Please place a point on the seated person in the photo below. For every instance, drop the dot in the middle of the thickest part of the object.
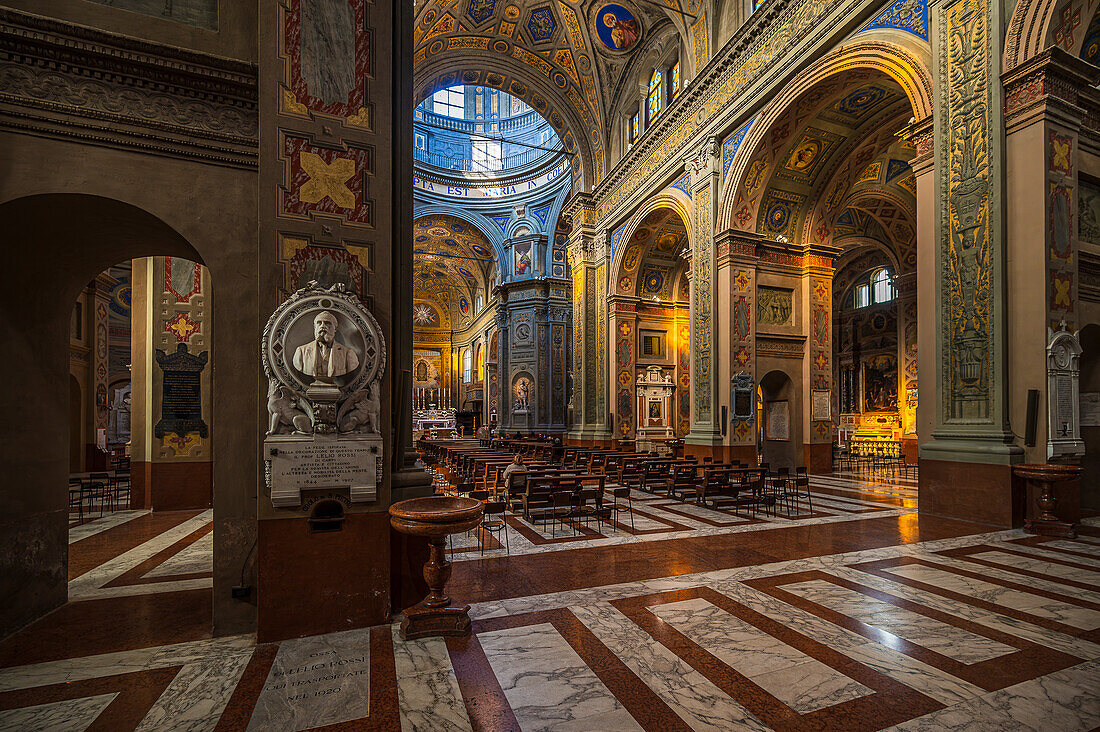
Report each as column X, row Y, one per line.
column 517, row 467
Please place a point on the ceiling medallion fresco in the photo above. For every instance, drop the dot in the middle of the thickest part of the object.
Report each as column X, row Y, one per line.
column 616, row 27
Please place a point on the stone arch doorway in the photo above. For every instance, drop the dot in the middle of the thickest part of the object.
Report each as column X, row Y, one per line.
column 780, row 420
column 66, row 240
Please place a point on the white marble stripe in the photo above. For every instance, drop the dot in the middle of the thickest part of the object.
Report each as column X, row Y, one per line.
column 1057, row 555
column 992, row 620
column 70, row 715
column 1049, row 584
column 1053, row 569
column 196, row 697
column 150, row 588
column 801, row 682
column 937, row 636
column 689, row 694
column 198, row 557
column 1065, row 700
column 111, row 520
column 104, row 573
column 931, row 681
column 427, row 689
column 1043, row 607
column 123, row 662
column 548, row 685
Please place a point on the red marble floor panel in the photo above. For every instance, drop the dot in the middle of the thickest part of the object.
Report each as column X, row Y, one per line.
column 881, row 568
column 486, row 704
column 497, row 578
column 890, row 703
column 112, row 624
column 1029, row 661
column 87, row 554
column 137, row 692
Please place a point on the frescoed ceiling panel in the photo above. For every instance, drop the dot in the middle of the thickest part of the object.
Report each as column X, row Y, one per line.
column 562, row 58
column 452, row 262
column 653, row 255
column 811, row 158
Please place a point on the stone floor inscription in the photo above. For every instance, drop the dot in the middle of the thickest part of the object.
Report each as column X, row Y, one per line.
column 316, row 681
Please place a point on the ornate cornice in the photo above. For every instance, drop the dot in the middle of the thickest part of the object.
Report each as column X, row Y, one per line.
column 65, row 80
column 1055, row 81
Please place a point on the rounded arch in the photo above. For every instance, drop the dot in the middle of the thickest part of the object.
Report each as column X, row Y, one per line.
column 109, row 231
column 863, row 251
column 579, row 135
column 670, row 198
column 491, row 231
column 1030, row 30
column 898, row 63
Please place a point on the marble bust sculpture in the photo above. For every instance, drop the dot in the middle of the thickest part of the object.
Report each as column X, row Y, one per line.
column 323, row 357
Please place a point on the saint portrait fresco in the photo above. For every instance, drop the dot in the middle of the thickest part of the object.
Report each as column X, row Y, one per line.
column 617, row 27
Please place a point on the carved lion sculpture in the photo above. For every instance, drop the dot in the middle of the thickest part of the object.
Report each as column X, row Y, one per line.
column 360, row 412
column 283, row 410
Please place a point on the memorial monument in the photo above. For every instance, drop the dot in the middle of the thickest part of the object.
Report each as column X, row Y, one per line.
column 324, row 356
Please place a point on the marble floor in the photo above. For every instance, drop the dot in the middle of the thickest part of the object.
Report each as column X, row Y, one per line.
column 858, row 619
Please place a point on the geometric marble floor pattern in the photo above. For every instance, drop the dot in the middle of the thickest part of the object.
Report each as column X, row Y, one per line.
column 647, row 517
column 940, row 625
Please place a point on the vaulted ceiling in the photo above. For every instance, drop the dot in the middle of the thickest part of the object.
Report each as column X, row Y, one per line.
column 452, row 262
column 653, row 258
column 558, row 56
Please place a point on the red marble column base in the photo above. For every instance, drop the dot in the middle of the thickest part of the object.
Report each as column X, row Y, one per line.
column 180, row 486
column 818, row 458
column 979, row 492
column 424, row 622
column 1044, row 527
column 910, row 450
column 310, row 584
column 141, row 481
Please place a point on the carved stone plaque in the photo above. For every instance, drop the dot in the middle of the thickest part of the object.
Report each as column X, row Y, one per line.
column 299, row 464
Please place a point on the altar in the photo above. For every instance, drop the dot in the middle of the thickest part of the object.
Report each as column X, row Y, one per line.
column 434, row 419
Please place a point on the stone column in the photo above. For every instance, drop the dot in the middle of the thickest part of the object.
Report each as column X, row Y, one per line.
column 503, row 348
column 171, row 459
column 588, row 262
column 623, row 324
column 966, row 468
column 737, row 336
column 334, row 182
column 927, row 307
column 704, row 166
column 98, row 367
column 1045, row 100
column 906, row 287
column 817, row 363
